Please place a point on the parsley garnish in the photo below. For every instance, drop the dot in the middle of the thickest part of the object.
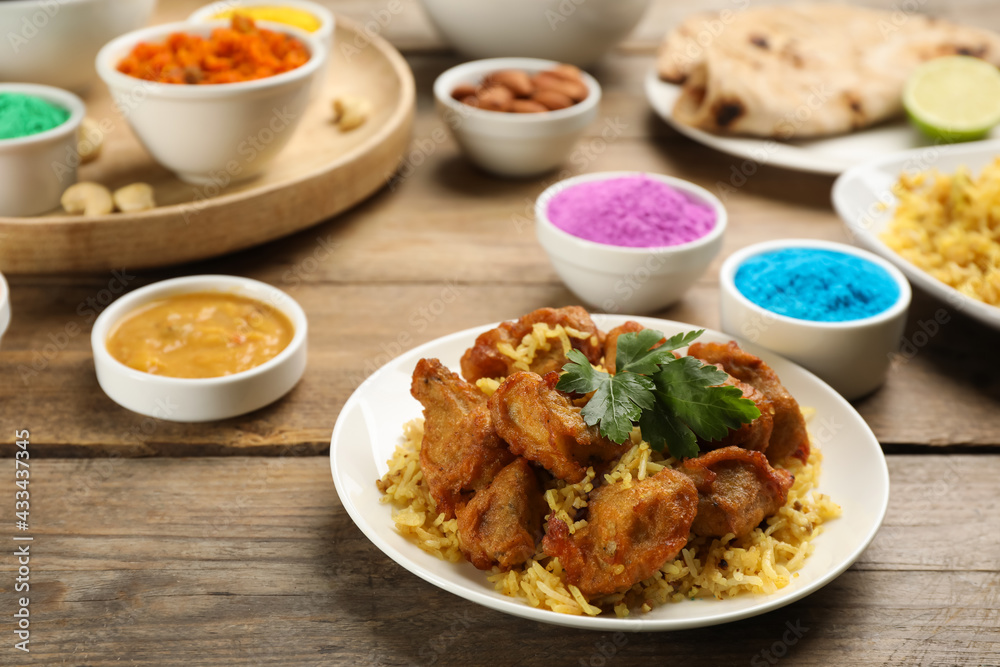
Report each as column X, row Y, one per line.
column 674, row 401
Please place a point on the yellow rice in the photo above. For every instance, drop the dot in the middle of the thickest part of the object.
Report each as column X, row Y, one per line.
column 761, row 562
column 949, row 226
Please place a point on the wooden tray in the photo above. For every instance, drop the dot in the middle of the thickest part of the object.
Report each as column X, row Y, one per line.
column 321, row 172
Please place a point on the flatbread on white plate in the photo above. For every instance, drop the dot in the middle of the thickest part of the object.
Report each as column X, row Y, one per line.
column 804, row 70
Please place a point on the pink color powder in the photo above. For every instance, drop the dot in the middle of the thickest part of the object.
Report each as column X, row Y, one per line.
column 631, row 211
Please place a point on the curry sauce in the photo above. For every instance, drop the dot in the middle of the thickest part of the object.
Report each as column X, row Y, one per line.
column 200, row 335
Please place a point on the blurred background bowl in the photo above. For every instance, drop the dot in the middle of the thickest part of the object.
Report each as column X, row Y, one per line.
column 578, row 32
column 216, row 133
column 36, row 169
column 55, row 42
column 852, row 356
column 626, row 279
column 513, row 144
column 325, row 17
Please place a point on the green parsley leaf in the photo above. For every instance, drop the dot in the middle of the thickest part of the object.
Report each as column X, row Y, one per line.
column 580, row 377
column 674, row 401
column 660, row 428
column 687, row 386
column 634, row 353
column 618, row 403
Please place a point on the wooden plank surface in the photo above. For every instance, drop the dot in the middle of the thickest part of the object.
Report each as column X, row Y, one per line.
column 370, row 279
column 250, row 560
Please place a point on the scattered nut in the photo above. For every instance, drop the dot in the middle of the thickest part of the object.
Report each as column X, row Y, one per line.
column 517, row 81
column 88, row 198
column 89, row 140
column 350, row 112
column 134, row 198
column 516, row 91
column 552, row 100
column 527, row 106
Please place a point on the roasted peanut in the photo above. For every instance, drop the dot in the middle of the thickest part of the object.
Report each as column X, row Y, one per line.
column 517, row 81
column 527, row 106
column 575, row 90
column 471, row 100
column 134, row 198
column 87, row 198
column 552, row 99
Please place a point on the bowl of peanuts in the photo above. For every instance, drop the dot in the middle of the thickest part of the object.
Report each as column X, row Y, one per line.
column 517, row 117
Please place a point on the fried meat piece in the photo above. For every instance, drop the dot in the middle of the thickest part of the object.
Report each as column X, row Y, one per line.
column 630, row 533
column 539, row 423
column 484, row 359
column 737, row 489
column 461, row 451
column 789, row 435
column 500, row 523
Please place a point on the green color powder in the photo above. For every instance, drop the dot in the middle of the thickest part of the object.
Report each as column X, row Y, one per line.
column 24, row 115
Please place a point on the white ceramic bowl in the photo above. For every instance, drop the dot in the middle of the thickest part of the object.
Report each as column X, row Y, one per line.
column 54, row 43
column 216, row 134
column 200, row 399
column 570, row 31
column 4, row 306
column 853, row 357
column 34, row 170
column 326, row 19
column 513, row 144
column 623, row 279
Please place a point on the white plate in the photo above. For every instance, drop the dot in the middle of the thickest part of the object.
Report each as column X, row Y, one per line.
column 828, row 155
column 854, row 474
column 860, row 193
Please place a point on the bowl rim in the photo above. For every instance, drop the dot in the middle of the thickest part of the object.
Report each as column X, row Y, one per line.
column 327, row 19
column 687, row 187
column 123, row 44
column 442, row 93
column 221, row 283
column 4, row 305
column 58, row 96
column 727, row 282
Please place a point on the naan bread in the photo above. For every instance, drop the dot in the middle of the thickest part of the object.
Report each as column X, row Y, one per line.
column 804, row 70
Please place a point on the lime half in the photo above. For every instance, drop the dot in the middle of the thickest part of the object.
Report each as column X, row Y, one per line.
column 955, row 98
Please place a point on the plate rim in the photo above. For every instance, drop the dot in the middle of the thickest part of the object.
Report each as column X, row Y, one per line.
column 516, row 606
column 983, row 312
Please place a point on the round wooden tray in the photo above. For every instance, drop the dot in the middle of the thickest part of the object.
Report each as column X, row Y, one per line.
column 321, row 172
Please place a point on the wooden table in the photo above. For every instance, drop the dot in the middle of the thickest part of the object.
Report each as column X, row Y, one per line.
column 225, row 543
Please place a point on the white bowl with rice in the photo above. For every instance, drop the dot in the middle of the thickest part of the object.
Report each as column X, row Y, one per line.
column 865, row 199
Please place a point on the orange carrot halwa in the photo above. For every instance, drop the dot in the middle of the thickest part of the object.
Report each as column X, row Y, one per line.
column 240, row 52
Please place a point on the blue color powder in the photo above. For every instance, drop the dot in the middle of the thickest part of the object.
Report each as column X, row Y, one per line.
column 817, row 285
